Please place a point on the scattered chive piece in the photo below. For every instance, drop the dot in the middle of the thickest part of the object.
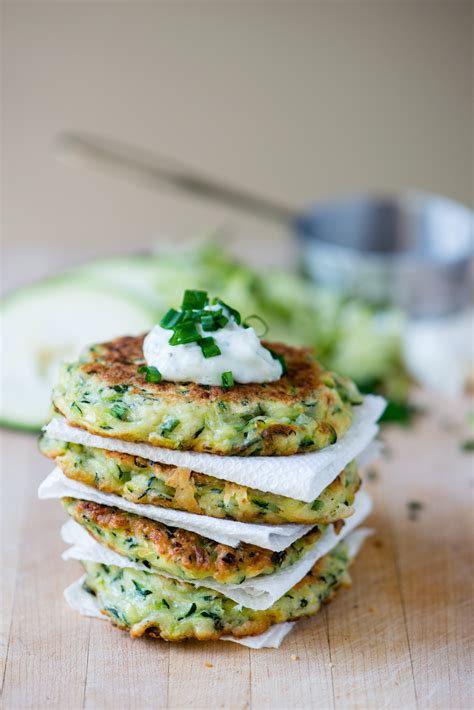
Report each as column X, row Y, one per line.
column 246, row 324
column 185, row 333
column 235, row 314
column 280, row 358
column 193, row 300
column 467, row 445
column 227, row 379
column 414, row 507
column 152, row 374
column 209, row 347
column 171, row 319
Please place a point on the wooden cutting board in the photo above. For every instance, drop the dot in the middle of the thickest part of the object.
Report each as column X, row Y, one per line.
column 399, row 638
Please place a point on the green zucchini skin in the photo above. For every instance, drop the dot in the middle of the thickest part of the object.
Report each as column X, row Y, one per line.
column 66, row 309
column 149, row 603
column 139, row 480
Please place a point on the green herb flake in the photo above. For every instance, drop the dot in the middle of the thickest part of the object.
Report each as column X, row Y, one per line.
column 209, row 347
column 171, row 319
column 75, row 406
column 113, row 612
column 208, row 322
column 152, row 374
column 401, row 413
column 235, row 314
column 191, row 611
column 248, row 324
column 414, row 508
column 467, row 446
column 169, row 425
column 194, row 300
column 221, row 319
column 119, row 410
column 210, row 615
column 139, row 589
column 227, row 380
column 185, row 333
column 121, row 389
column 332, row 434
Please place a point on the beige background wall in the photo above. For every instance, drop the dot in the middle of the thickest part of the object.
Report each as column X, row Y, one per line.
column 301, row 100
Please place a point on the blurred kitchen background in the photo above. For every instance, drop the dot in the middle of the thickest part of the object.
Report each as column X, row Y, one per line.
column 301, row 102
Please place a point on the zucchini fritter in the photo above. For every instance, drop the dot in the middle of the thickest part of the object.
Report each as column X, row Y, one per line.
column 172, row 610
column 305, row 410
column 146, row 482
column 179, row 552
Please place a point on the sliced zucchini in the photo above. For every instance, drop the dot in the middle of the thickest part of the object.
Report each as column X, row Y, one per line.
column 52, row 321
column 139, row 274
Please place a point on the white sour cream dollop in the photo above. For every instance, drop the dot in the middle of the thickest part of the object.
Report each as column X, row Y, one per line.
column 241, row 353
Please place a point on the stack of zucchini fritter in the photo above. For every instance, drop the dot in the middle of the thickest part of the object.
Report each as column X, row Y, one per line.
column 171, row 580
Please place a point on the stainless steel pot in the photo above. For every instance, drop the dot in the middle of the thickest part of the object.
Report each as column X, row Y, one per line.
column 411, row 249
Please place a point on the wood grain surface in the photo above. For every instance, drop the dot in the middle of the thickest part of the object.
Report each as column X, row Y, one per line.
column 401, row 637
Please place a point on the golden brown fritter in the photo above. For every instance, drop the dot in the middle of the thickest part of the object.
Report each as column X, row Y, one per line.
column 306, row 409
column 179, row 552
column 149, row 483
column 165, row 608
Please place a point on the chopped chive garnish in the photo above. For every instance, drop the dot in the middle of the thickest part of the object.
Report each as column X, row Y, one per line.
column 246, row 324
column 193, row 319
column 187, row 316
column 185, row 333
column 152, row 374
column 221, row 319
column 171, row 319
column 280, row 358
column 467, row 445
column 235, row 314
column 208, row 322
column 209, row 347
column 227, row 379
column 213, row 320
column 193, row 300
